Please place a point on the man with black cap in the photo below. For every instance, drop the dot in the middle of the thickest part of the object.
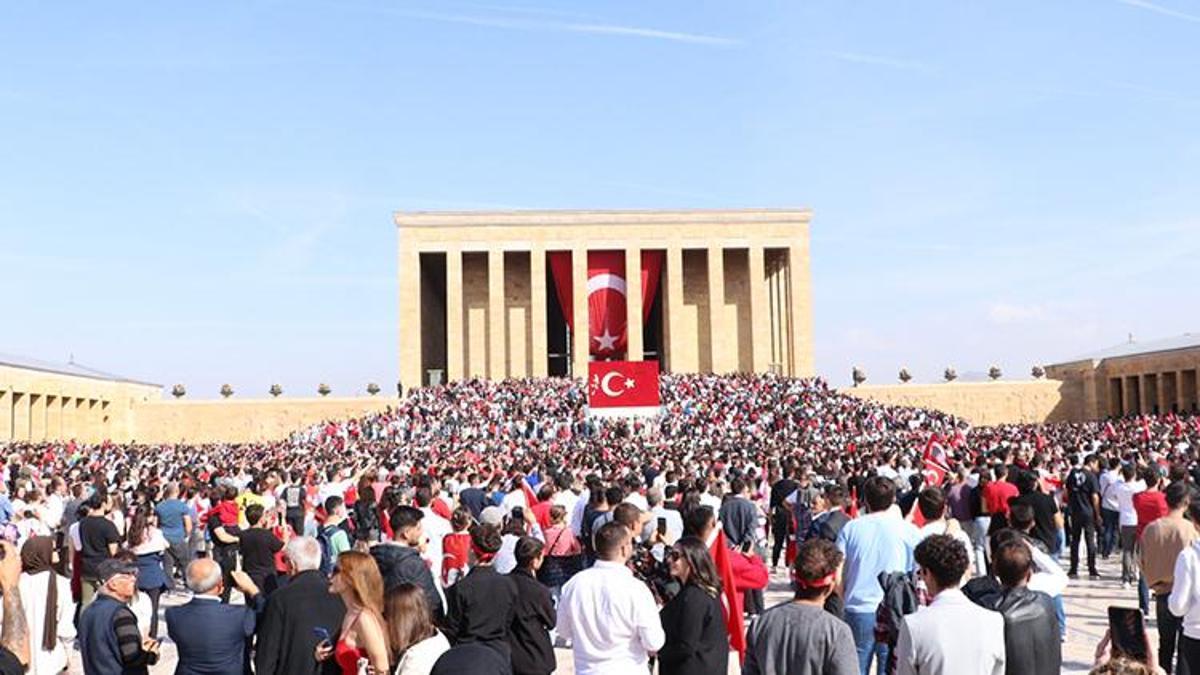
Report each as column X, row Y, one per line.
column 109, row 639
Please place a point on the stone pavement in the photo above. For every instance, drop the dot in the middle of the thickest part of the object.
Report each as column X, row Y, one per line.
column 1086, row 603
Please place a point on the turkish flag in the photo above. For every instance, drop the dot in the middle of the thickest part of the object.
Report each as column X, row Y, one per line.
column 607, row 290
column 936, row 465
column 623, row 384
column 731, row 600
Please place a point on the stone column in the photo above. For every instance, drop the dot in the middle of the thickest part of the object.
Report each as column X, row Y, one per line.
column 759, row 312
column 20, row 417
column 37, row 417
column 1091, row 404
column 633, row 303
column 674, row 297
column 409, row 266
column 70, row 426
column 1153, row 398
column 537, row 307
column 800, row 311
column 1130, row 404
column 53, row 417
column 718, row 333
column 497, row 322
column 6, row 415
column 581, row 335
column 455, row 338
column 1179, row 391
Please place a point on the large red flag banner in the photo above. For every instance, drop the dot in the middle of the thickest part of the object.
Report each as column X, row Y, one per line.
column 623, row 384
column 607, row 290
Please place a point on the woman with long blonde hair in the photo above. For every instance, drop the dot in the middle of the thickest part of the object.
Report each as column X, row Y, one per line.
column 357, row 580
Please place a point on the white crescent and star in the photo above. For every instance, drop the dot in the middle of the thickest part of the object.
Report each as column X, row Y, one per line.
column 605, row 280
column 608, row 342
column 604, row 384
column 601, row 282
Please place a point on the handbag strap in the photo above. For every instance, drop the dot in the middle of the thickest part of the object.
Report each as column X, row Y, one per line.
column 552, row 546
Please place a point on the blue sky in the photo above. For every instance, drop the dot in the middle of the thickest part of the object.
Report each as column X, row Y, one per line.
column 202, row 192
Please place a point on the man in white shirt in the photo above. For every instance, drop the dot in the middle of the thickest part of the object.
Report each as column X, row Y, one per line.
column 1129, row 486
column 1110, row 509
column 932, row 505
column 608, row 614
column 952, row 636
column 565, row 496
column 657, row 511
column 435, row 527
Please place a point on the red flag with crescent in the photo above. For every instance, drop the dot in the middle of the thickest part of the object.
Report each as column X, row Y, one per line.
column 936, row 464
column 623, row 384
column 607, row 292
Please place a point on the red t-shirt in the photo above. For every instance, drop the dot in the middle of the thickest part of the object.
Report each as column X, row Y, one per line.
column 441, row 508
column 456, row 549
column 226, row 511
column 1150, row 506
column 996, row 495
column 541, row 511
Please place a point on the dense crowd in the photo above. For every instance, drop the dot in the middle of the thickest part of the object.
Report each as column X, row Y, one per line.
column 475, row 526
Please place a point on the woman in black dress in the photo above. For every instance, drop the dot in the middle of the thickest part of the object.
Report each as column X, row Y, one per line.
column 697, row 642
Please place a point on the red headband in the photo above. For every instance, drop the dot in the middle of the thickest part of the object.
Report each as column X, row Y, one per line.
column 482, row 555
column 824, row 581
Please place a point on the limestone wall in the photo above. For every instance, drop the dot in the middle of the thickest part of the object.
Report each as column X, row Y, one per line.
column 986, row 403
column 37, row 405
column 243, row 420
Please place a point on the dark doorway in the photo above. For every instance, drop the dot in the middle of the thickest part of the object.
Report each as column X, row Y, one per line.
column 558, row 346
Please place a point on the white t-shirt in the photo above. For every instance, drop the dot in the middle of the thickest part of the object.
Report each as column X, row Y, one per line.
column 1108, row 489
column 1125, row 492
column 943, row 527
column 435, row 527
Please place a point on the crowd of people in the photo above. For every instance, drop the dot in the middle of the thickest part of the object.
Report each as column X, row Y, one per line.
column 477, row 526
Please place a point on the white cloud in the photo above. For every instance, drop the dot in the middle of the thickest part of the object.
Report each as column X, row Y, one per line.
column 560, row 26
column 876, row 60
column 1159, row 9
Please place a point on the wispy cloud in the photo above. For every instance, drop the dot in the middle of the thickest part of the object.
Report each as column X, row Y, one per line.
column 562, row 26
column 1159, row 9
column 876, row 60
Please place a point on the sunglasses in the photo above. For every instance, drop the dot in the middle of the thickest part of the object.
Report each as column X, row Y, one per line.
column 674, row 555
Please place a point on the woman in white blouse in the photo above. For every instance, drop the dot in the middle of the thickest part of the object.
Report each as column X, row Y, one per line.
column 49, row 609
column 414, row 641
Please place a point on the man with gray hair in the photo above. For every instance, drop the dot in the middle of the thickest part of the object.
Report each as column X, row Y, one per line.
column 212, row 637
column 673, row 524
column 286, row 636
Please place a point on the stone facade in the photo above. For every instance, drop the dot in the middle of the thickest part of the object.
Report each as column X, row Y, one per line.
column 42, row 403
column 243, row 420
column 475, row 300
column 984, row 403
column 1154, row 377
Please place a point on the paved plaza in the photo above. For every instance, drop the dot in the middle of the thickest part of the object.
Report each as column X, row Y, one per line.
column 1086, row 602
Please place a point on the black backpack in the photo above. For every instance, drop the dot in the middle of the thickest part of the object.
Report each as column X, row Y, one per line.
column 366, row 522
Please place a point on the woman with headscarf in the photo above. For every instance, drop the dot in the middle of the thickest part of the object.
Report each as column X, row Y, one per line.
column 49, row 609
